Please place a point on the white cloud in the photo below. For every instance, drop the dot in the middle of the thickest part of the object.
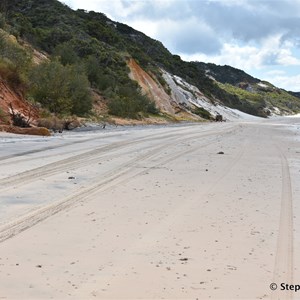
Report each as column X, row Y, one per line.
column 275, row 73
column 150, row 28
column 280, row 51
column 256, row 56
column 115, row 9
column 189, row 37
column 289, row 83
column 243, row 57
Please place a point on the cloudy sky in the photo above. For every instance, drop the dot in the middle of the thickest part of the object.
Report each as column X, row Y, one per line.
column 261, row 37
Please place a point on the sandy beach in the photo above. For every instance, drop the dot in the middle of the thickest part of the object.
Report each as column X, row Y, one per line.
column 163, row 212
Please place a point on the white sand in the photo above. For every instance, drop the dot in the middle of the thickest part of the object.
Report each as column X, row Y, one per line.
column 152, row 213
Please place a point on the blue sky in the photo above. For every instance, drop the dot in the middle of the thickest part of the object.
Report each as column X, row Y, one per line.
column 261, row 37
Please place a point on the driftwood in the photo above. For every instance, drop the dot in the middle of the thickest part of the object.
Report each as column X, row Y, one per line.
column 18, row 119
column 31, row 130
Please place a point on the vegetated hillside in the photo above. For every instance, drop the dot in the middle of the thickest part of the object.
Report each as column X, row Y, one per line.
column 262, row 96
column 90, row 54
column 226, row 74
column 295, row 94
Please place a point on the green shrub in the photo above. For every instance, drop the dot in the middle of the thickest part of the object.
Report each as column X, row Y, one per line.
column 13, row 53
column 14, row 62
column 66, row 54
column 62, row 89
column 202, row 112
column 2, row 21
column 130, row 103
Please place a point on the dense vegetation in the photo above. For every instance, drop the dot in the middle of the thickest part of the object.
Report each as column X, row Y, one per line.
column 90, row 44
column 258, row 98
column 14, row 61
column 61, row 89
column 226, row 74
column 203, row 113
column 81, row 58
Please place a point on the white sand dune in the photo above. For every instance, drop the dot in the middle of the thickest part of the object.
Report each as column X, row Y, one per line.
column 152, row 213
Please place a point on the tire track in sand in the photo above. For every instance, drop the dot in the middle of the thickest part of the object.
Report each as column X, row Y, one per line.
column 283, row 270
column 114, row 177
column 89, row 158
column 77, row 161
column 67, row 144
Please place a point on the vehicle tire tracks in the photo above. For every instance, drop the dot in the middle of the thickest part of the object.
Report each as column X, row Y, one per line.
column 113, row 178
column 283, row 270
column 66, row 144
column 76, row 161
column 84, row 159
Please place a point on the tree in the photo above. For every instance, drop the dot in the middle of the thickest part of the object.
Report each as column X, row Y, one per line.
column 79, row 89
column 66, row 54
column 130, row 103
column 62, row 89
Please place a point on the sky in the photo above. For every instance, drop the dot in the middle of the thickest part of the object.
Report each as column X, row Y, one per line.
column 261, row 37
